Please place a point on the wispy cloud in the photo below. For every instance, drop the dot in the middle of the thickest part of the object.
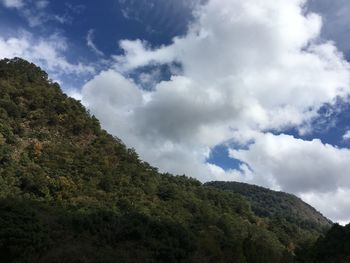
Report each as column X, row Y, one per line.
column 35, row 12
column 13, row 3
column 90, row 43
column 41, row 4
column 47, row 52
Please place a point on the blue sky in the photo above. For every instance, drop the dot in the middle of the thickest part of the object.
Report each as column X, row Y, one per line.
column 219, row 89
column 156, row 22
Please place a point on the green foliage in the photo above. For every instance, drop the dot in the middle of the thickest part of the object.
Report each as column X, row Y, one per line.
column 70, row 192
column 277, row 205
column 296, row 224
column 334, row 247
column 23, row 236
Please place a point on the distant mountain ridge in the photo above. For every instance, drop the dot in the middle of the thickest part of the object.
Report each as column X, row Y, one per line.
column 276, row 204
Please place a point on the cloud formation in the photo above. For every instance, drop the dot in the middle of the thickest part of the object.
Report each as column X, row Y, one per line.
column 13, row 3
column 296, row 165
column 335, row 205
column 247, row 67
column 34, row 11
column 335, row 14
column 90, row 43
column 46, row 52
column 346, row 136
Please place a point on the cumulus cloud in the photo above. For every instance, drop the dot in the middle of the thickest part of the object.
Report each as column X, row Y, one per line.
column 254, row 54
column 46, row 52
column 247, row 67
column 295, row 165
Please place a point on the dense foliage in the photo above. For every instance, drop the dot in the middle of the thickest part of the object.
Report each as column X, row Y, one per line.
column 276, row 205
column 334, row 247
column 70, row 192
column 288, row 217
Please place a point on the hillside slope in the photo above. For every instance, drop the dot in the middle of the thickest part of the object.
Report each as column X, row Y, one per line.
column 70, row 192
column 271, row 204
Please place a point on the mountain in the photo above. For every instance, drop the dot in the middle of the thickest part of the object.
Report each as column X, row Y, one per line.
column 71, row 192
column 276, row 205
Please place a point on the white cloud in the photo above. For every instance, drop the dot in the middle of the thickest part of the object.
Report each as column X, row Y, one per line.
column 35, row 12
column 295, row 165
column 126, row 96
column 335, row 205
column 247, row 66
column 137, row 54
column 254, row 54
column 12, row 3
column 346, row 136
column 46, row 52
column 90, row 43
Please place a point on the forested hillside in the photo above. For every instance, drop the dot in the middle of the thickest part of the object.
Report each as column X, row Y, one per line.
column 276, row 205
column 70, row 192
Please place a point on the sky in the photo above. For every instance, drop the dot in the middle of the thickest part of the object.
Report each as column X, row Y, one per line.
column 251, row 91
